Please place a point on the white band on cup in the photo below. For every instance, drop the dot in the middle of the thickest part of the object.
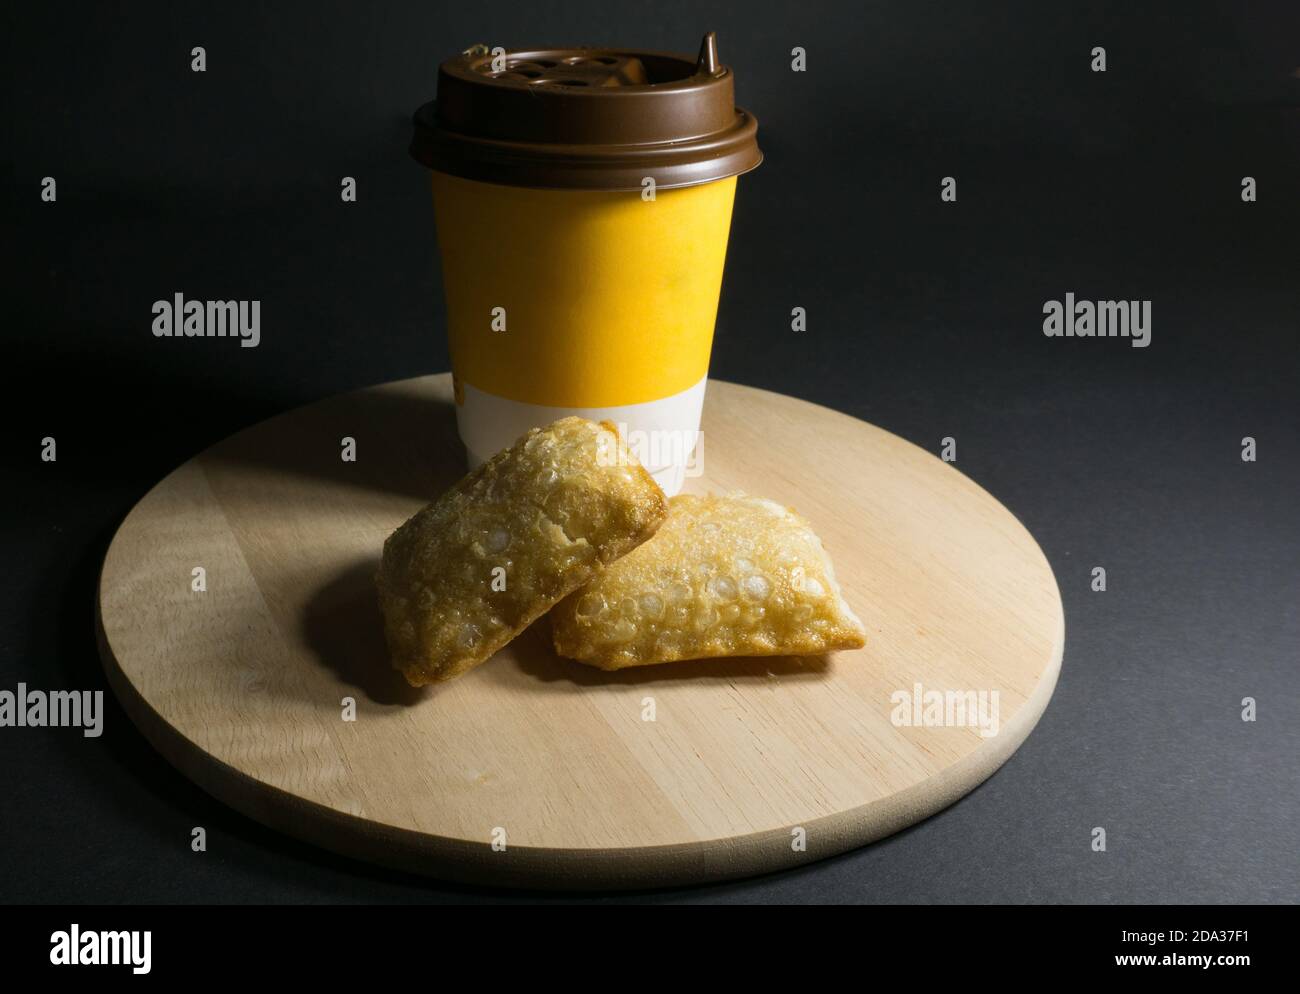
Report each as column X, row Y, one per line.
column 663, row 434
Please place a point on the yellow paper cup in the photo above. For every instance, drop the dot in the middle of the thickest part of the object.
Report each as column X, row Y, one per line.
column 583, row 201
column 610, row 316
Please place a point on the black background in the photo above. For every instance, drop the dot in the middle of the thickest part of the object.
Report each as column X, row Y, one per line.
column 924, row 318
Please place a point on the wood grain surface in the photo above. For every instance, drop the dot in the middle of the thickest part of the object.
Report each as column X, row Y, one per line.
column 243, row 686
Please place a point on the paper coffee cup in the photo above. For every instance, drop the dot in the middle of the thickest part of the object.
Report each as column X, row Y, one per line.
column 583, row 202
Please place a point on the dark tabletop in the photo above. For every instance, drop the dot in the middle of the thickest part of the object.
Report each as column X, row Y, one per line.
column 923, row 317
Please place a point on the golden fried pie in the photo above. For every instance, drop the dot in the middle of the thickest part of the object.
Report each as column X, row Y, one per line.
column 725, row 576
column 472, row 570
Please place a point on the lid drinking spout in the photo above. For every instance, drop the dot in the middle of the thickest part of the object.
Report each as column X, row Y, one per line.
column 708, row 62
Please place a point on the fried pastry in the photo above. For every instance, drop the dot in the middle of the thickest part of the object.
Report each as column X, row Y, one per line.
column 471, row 571
column 725, row 576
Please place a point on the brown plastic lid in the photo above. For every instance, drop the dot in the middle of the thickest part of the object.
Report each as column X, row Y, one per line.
column 589, row 119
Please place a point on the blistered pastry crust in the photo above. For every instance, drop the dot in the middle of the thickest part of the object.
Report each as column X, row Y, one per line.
column 551, row 511
column 724, row 576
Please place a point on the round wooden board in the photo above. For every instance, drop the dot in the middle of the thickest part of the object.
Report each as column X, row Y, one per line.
column 242, row 686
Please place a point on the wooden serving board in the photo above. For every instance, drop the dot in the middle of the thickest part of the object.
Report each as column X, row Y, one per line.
column 749, row 765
